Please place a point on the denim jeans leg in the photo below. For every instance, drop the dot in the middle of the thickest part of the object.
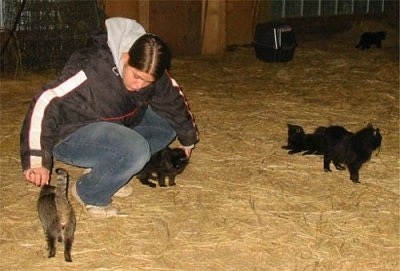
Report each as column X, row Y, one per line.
column 114, row 152
column 156, row 130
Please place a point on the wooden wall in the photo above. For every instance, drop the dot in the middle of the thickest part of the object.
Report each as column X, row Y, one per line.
column 178, row 22
column 207, row 26
column 241, row 17
column 123, row 8
column 191, row 26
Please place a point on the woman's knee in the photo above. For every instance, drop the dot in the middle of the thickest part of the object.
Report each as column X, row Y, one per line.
column 113, row 142
column 132, row 147
column 137, row 153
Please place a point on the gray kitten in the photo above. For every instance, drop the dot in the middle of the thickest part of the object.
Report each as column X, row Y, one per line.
column 57, row 215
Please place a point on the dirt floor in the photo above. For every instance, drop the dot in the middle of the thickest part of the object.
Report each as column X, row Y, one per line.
column 243, row 203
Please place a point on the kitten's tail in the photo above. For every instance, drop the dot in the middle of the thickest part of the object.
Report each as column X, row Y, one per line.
column 62, row 181
column 64, row 208
column 62, row 173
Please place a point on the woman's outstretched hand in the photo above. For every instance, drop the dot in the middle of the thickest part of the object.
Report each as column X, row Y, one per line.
column 38, row 176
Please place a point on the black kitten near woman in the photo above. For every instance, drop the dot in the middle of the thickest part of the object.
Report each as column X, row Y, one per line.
column 164, row 164
column 57, row 215
column 371, row 38
column 344, row 148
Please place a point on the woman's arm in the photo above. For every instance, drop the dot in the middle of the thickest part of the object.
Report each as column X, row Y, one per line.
column 170, row 102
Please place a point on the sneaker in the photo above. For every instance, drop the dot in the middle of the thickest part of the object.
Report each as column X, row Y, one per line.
column 97, row 211
column 102, row 211
column 124, row 191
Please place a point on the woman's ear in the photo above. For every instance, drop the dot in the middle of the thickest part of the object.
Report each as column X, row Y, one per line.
column 125, row 58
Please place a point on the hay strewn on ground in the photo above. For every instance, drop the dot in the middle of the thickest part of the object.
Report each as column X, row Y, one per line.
column 243, row 203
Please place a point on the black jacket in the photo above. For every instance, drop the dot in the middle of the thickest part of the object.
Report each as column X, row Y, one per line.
column 89, row 90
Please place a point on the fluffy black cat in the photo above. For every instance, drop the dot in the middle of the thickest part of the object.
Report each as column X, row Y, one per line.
column 164, row 164
column 299, row 141
column 344, row 148
column 57, row 215
column 371, row 38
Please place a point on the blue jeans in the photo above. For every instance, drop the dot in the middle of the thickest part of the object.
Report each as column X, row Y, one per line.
column 114, row 152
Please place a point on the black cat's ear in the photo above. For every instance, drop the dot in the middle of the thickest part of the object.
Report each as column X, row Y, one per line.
column 370, row 125
column 299, row 129
column 320, row 130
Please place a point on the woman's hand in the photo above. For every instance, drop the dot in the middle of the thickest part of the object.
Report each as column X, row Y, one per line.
column 188, row 150
column 38, row 176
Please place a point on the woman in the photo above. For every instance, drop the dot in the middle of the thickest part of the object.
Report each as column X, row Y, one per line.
column 112, row 107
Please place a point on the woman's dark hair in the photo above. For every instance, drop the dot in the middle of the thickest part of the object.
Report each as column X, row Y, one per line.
column 151, row 55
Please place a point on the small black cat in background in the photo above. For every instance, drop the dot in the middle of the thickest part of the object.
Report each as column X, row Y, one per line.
column 164, row 164
column 56, row 215
column 345, row 148
column 371, row 38
column 299, row 141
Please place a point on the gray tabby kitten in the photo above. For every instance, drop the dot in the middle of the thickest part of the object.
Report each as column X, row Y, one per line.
column 57, row 215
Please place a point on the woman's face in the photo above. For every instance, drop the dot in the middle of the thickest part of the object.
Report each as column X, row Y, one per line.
column 133, row 78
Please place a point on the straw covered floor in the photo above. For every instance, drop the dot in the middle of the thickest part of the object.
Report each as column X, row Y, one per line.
column 243, row 203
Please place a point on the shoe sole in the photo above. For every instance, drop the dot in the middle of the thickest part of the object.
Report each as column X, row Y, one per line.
column 124, row 191
column 86, row 207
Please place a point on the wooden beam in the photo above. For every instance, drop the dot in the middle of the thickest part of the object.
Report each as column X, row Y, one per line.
column 213, row 26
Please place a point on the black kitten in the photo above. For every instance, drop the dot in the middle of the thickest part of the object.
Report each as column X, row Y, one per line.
column 166, row 163
column 345, row 148
column 299, row 141
column 371, row 38
column 57, row 216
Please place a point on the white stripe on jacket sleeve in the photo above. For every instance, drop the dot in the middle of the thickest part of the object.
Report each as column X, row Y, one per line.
column 44, row 100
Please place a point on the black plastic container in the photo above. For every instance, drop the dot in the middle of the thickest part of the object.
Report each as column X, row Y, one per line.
column 274, row 42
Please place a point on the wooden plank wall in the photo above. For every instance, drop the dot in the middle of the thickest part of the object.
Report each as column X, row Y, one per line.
column 207, row 26
column 189, row 26
column 241, row 17
column 126, row 8
column 178, row 22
